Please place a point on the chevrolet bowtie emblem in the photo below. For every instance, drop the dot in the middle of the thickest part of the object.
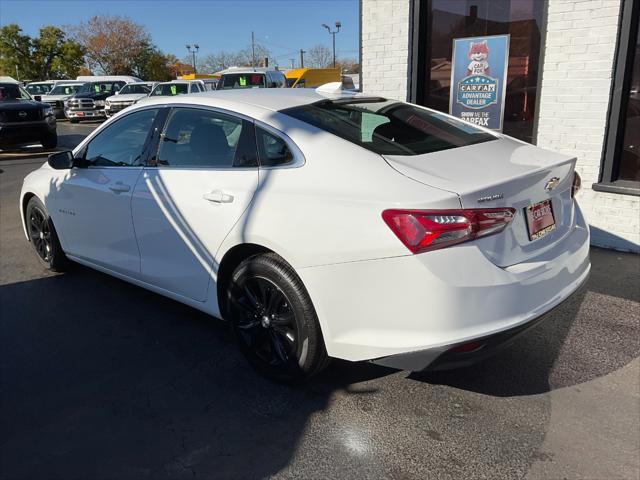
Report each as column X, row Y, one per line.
column 552, row 184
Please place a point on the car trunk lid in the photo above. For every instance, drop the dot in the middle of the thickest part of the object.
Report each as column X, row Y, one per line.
column 501, row 173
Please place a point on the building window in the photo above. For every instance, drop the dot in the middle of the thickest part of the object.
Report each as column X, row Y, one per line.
column 620, row 171
column 440, row 21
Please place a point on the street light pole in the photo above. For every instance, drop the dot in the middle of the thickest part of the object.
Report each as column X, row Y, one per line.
column 333, row 34
column 193, row 53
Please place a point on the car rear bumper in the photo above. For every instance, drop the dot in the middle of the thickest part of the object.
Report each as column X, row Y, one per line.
column 423, row 305
column 465, row 353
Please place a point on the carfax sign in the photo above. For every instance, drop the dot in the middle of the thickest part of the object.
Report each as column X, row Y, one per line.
column 478, row 79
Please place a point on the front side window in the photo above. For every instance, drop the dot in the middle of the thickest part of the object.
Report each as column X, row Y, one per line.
column 389, row 127
column 65, row 89
column 122, row 143
column 199, row 138
column 38, row 89
column 12, row 91
column 273, row 151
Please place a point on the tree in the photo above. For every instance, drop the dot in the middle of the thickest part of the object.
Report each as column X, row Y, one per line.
column 112, row 43
column 50, row 55
column 55, row 56
column 152, row 64
column 15, row 52
column 348, row 65
column 218, row 61
column 242, row 58
column 319, row 56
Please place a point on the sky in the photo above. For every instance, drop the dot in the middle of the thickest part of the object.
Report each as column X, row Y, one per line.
column 283, row 26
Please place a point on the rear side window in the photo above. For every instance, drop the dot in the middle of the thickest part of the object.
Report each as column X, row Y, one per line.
column 389, row 127
column 202, row 138
column 272, row 150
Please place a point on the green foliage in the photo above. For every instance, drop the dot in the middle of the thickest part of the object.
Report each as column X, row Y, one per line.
column 50, row 55
column 152, row 64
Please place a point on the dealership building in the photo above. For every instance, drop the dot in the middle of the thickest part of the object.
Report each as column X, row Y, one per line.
column 571, row 83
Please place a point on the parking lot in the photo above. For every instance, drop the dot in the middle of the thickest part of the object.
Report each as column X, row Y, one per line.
column 102, row 379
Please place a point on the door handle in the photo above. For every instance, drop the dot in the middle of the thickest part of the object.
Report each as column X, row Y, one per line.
column 218, row 197
column 119, row 187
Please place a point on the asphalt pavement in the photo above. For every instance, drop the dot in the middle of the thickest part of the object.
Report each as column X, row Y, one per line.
column 100, row 379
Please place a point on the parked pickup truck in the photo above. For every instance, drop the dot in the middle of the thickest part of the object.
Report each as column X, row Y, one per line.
column 88, row 103
column 59, row 94
column 127, row 96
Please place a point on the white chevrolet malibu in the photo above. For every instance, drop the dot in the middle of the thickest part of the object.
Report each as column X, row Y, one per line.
column 320, row 226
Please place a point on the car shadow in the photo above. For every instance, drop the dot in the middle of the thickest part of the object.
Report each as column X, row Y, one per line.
column 101, row 379
column 574, row 345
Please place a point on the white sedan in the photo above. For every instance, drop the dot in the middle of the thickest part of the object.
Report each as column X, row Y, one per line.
column 320, row 225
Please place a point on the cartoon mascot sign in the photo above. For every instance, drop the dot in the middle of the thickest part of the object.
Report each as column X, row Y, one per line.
column 478, row 79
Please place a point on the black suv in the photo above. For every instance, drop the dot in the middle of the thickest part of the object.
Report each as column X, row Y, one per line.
column 88, row 102
column 23, row 120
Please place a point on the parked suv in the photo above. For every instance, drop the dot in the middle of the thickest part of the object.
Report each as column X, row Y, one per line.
column 251, row 78
column 57, row 96
column 23, row 120
column 89, row 102
column 127, row 96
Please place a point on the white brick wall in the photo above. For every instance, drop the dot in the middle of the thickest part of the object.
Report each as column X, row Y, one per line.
column 385, row 47
column 577, row 77
column 574, row 97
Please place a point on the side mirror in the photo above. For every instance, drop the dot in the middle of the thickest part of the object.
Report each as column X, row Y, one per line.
column 61, row 160
column 37, row 98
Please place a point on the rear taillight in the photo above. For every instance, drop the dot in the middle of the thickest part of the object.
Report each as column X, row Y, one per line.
column 424, row 230
column 577, row 184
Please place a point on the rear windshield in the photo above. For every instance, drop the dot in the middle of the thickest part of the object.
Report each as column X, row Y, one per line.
column 135, row 88
column 389, row 127
column 242, row 80
column 170, row 89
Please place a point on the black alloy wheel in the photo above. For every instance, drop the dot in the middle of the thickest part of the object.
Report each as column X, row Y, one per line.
column 43, row 236
column 274, row 320
column 265, row 322
column 40, row 234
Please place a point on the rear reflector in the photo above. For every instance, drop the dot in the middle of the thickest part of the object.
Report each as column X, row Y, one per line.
column 577, row 184
column 467, row 347
column 425, row 230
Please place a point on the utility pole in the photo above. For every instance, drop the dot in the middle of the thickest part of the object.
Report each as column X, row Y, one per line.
column 292, row 63
column 193, row 53
column 253, row 49
column 333, row 34
column 302, row 52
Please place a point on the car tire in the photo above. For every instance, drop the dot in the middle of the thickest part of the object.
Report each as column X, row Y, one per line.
column 50, row 140
column 43, row 237
column 274, row 321
column 73, row 120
